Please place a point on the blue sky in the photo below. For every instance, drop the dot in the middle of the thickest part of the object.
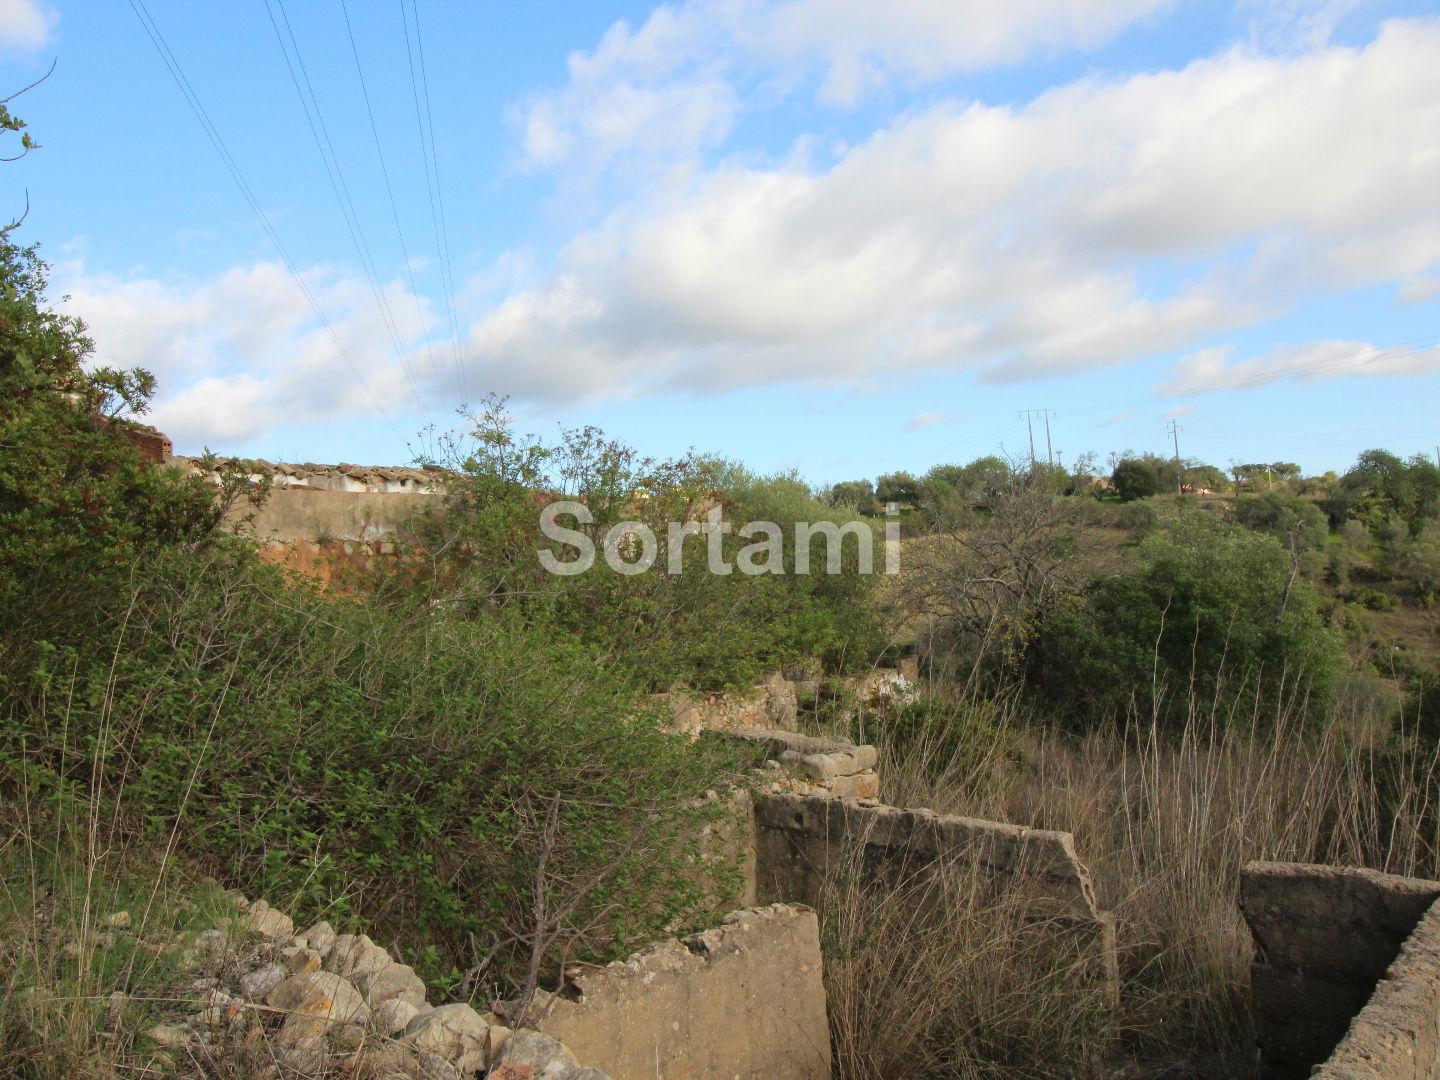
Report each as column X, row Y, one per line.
column 841, row 236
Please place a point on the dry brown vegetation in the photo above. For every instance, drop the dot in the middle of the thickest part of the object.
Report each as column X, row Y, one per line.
column 1165, row 821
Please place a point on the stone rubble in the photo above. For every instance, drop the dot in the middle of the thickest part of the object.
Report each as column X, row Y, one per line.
column 327, row 1004
column 808, row 765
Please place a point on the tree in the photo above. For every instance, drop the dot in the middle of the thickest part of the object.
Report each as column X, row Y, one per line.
column 1200, row 475
column 997, row 571
column 1381, row 486
column 12, row 124
column 1213, row 617
column 858, row 495
column 947, row 492
column 1252, row 475
column 898, row 487
column 77, row 502
column 1135, row 478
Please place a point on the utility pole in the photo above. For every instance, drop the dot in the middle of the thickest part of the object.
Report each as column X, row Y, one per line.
column 1175, row 429
column 1029, row 415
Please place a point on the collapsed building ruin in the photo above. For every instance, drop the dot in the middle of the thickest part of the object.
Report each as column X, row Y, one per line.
column 1346, row 976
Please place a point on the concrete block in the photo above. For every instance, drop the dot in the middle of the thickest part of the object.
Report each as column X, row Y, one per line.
column 1324, row 937
column 744, row 1001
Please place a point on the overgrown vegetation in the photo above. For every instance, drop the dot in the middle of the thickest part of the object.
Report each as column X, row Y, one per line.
column 425, row 755
column 464, row 751
column 677, row 625
column 1165, row 818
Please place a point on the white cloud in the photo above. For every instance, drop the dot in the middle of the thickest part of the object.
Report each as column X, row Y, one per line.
column 668, row 89
column 1211, row 369
column 931, row 418
column 1107, row 220
column 241, row 353
column 863, row 44
column 1288, row 24
column 658, row 91
column 1008, row 240
column 25, row 25
column 1420, row 289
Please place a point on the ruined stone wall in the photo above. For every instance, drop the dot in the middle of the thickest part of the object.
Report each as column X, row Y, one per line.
column 1324, row 937
column 770, row 705
column 775, row 703
column 743, row 1001
column 274, row 1003
column 153, row 444
column 1396, row 1036
column 356, row 479
column 306, row 514
column 315, row 531
column 810, row 765
column 318, row 518
column 801, row 841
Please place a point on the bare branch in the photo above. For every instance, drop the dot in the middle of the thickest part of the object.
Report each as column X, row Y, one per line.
column 21, row 219
column 37, row 82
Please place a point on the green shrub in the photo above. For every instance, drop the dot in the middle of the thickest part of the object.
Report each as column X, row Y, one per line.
column 409, row 764
column 692, row 628
column 1135, row 478
column 1373, row 599
column 75, row 498
column 1213, row 611
column 1413, row 565
column 1299, row 521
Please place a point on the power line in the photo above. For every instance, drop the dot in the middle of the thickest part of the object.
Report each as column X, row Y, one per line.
column 1029, row 415
column 1175, row 429
column 432, row 182
column 172, row 64
column 448, row 266
column 336, row 174
column 389, row 188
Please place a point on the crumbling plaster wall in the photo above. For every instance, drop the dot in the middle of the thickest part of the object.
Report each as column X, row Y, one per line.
column 802, row 841
column 1396, row 1036
column 1324, row 938
column 305, row 514
column 742, row 1001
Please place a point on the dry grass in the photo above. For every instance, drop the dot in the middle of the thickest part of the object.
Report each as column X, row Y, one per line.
column 936, row 973
column 78, row 988
column 1165, row 821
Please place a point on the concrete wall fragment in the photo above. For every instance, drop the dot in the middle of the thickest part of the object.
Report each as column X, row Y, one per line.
column 807, row 764
column 743, row 1001
column 802, row 841
column 1396, row 1036
column 1324, row 937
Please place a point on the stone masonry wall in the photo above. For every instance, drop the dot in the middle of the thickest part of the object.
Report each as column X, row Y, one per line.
column 1397, row 1034
column 1324, row 937
column 806, row 764
column 743, row 1001
column 801, row 840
